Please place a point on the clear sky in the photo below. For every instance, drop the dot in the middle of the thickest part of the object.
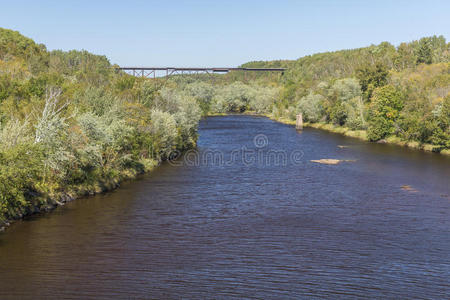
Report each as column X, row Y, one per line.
column 221, row 33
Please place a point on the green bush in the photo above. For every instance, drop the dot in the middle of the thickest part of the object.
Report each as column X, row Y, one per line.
column 164, row 132
column 441, row 134
column 356, row 112
column 203, row 93
column 311, row 107
column 21, row 174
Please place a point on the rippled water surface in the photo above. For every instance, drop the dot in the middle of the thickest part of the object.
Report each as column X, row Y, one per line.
column 221, row 224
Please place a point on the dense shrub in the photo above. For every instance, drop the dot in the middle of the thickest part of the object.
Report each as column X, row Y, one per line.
column 164, row 131
column 20, row 179
column 441, row 134
column 234, row 97
column 262, row 98
column 311, row 107
column 356, row 113
column 203, row 93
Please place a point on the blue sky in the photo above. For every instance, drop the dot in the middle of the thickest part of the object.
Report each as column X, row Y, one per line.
column 221, row 33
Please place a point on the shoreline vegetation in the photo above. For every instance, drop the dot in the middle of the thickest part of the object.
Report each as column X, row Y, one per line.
column 91, row 189
column 392, row 140
column 71, row 124
column 357, row 134
column 362, row 135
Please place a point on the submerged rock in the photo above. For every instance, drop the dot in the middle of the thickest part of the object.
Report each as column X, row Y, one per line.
column 327, row 161
column 331, row 161
column 408, row 188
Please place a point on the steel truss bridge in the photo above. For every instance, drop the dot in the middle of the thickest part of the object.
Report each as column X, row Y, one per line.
column 153, row 72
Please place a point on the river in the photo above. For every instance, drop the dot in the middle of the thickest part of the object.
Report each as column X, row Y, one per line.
column 248, row 215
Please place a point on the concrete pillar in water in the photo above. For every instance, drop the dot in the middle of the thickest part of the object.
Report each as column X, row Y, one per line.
column 299, row 122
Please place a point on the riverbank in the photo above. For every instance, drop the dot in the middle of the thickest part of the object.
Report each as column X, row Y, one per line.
column 60, row 198
column 358, row 134
column 394, row 140
column 362, row 135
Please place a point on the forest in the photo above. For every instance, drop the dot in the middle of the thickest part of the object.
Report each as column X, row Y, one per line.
column 72, row 125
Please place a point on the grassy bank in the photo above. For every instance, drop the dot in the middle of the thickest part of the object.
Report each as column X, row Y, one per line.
column 362, row 135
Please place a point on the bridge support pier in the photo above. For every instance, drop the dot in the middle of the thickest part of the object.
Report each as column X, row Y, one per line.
column 299, row 122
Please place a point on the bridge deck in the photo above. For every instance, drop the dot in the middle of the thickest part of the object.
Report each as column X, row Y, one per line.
column 214, row 70
column 168, row 71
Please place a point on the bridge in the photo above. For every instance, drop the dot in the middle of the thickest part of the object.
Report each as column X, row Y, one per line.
column 168, row 71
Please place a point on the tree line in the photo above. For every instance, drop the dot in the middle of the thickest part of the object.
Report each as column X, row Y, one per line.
column 384, row 91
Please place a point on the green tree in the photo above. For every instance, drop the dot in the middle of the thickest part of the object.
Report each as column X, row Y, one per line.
column 424, row 52
column 371, row 77
column 387, row 102
column 405, row 57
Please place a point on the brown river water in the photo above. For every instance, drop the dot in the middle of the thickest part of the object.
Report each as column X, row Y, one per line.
column 248, row 216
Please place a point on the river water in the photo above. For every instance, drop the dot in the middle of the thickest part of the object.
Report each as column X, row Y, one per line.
column 248, row 216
